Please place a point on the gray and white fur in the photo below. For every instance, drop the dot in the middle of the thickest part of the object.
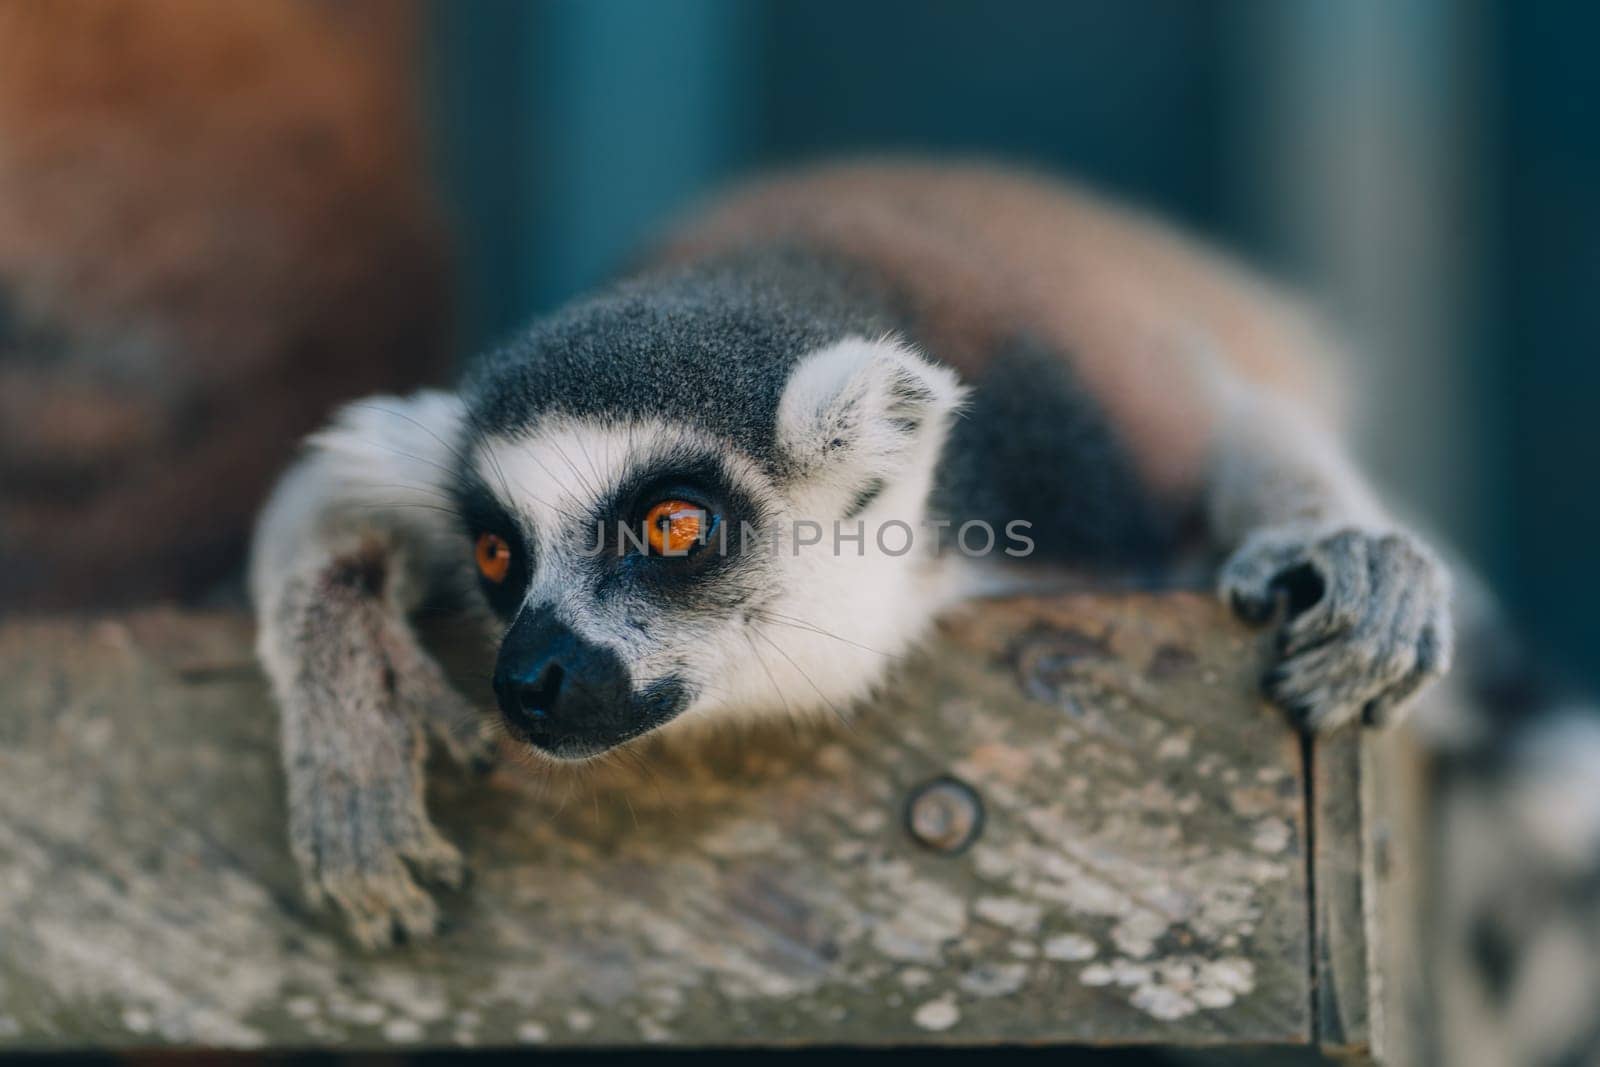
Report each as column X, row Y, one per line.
column 871, row 344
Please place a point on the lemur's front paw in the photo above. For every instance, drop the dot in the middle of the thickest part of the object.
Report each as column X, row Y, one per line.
column 357, row 819
column 361, row 699
column 362, row 846
column 1364, row 618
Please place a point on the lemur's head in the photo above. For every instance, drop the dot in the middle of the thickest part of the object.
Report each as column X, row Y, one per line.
column 641, row 478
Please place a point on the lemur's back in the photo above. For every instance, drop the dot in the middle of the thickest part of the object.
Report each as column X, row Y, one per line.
column 982, row 258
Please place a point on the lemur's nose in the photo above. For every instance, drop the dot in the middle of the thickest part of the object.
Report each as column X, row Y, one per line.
column 561, row 692
column 538, row 698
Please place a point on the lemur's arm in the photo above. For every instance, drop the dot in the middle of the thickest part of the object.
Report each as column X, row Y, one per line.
column 357, row 536
column 1366, row 605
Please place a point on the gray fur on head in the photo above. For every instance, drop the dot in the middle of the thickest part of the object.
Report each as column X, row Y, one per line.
column 711, row 345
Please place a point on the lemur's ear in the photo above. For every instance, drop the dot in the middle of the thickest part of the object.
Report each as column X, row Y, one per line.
column 859, row 413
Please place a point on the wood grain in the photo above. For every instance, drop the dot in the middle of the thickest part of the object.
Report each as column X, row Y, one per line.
column 1140, row 876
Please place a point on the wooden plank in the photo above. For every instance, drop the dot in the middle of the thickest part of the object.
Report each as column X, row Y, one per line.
column 1139, row 876
column 1339, row 898
column 1369, row 800
column 1396, row 785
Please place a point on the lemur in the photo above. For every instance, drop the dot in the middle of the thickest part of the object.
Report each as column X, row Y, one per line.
column 877, row 343
column 886, row 344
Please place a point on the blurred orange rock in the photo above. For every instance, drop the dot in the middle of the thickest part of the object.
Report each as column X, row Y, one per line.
column 215, row 223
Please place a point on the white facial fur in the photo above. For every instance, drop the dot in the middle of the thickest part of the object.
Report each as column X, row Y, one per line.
column 815, row 626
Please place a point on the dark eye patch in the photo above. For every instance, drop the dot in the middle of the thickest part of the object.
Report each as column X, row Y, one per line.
column 481, row 512
column 697, row 479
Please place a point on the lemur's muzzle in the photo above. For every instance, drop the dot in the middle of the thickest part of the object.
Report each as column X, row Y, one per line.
column 567, row 696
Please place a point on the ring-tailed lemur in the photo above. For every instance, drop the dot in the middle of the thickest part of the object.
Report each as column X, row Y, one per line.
column 897, row 346
column 881, row 344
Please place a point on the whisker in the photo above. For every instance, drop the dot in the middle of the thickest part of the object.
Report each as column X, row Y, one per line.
column 788, row 712
column 429, row 489
column 523, row 487
column 588, row 488
column 651, row 777
column 801, row 624
column 832, row 706
column 396, row 505
column 542, row 466
column 424, row 427
column 505, row 488
column 499, row 471
column 583, row 451
column 436, row 465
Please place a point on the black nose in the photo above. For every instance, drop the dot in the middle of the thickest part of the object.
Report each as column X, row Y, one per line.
column 538, row 698
column 560, row 692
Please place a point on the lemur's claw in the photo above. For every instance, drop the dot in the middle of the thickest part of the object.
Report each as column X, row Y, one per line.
column 381, row 910
column 1363, row 619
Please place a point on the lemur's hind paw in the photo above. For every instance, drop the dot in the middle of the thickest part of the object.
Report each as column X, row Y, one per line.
column 1363, row 617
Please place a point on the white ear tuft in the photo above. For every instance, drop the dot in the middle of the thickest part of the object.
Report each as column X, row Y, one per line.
column 860, row 411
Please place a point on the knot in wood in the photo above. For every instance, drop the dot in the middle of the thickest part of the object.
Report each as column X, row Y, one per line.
column 945, row 815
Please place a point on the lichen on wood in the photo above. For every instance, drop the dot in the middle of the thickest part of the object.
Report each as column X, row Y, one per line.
column 1139, row 875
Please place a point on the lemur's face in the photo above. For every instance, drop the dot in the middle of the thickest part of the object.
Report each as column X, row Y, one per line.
column 648, row 571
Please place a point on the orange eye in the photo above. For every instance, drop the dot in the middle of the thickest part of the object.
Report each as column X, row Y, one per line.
column 673, row 527
column 494, row 557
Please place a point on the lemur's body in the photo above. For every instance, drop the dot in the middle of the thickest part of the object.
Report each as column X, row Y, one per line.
column 800, row 354
column 876, row 346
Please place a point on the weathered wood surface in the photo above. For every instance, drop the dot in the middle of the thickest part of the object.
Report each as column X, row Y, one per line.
column 1369, row 806
column 1140, row 876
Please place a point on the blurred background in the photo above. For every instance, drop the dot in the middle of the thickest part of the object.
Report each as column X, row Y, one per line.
column 219, row 219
